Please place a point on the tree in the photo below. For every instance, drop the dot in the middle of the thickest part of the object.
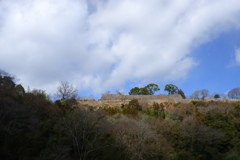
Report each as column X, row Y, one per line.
column 66, row 91
column 135, row 104
column 204, row 93
column 216, row 96
column 139, row 140
column 108, row 92
column 195, row 94
column 147, row 90
column 182, row 94
column 135, row 91
column 152, row 88
column 84, row 130
column 7, row 83
column 19, row 89
column 200, row 138
column 119, row 92
column 234, row 93
column 172, row 89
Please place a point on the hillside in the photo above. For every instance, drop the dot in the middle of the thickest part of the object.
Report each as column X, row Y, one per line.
column 143, row 128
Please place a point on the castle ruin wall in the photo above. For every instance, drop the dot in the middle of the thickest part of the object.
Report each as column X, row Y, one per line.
column 112, row 98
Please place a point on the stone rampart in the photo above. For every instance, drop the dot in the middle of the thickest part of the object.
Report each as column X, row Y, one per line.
column 112, row 98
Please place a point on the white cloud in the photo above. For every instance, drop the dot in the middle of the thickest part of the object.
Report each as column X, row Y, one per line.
column 102, row 44
column 237, row 56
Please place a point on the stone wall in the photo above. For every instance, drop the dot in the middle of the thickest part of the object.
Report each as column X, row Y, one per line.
column 111, row 98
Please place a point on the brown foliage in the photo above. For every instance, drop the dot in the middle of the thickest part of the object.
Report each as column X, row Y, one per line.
column 180, row 111
column 196, row 130
column 140, row 141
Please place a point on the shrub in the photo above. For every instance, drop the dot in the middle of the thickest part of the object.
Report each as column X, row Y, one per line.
column 129, row 110
column 199, row 103
column 135, row 104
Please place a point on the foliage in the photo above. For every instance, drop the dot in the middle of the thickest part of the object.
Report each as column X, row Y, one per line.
column 199, row 116
column 32, row 127
column 135, row 104
column 216, row 96
column 233, row 155
column 157, row 110
column 112, row 110
column 135, row 91
column 7, row 84
column 150, row 89
column 139, row 140
column 172, row 89
column 132, row 108
column 182, row 94
column 199, row 103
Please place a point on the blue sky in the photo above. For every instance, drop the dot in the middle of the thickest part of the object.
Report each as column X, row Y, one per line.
column 101, row 46
column 217, row 70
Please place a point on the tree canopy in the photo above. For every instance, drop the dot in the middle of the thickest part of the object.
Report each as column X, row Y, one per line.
column 149, row 89
column 216, row 96
column 172, row 89
column 152, row 88
column 182, row 94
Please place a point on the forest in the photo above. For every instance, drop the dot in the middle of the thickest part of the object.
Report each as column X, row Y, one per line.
column 33, row 127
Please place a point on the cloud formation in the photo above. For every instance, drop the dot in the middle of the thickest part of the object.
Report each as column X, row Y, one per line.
column 237, row 56
column 100, row 44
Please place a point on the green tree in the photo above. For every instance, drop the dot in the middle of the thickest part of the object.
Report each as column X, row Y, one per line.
column 7, row 83
column 135, row 91
column 147, row 90
column 172, row 89
column 216, row 96
column 135, row 104
column 19, row 89
column 182, row 94
column 152, row 88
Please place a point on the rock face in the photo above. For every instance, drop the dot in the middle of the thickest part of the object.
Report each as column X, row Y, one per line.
column 111, row 98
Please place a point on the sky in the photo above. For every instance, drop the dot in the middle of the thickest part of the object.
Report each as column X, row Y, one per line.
column 109, row 45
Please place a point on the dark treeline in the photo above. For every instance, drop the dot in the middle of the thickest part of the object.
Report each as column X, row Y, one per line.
column 34, row 128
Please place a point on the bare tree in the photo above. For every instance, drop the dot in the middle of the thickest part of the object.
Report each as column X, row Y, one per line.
column 195, row 95
column 85, row 128
column 139, row 140
column 66, row 91
column 234, row 93
column 204, row 92
column 108, row 92
column 119, row 92
column 224, row 96
column 198, row 93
